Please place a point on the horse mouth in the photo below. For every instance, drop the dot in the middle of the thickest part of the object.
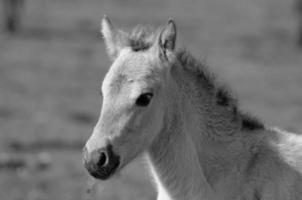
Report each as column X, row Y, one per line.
column 104, row 173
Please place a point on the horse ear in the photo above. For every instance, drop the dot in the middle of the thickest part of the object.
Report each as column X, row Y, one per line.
column 114, row 39
column 167, row 37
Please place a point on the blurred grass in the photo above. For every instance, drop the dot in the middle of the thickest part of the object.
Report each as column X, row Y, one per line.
column 51, row 72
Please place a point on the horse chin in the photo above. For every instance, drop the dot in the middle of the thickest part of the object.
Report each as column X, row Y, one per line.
column 104, row 174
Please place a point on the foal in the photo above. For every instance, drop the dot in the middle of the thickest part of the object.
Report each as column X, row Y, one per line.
column 163, row 102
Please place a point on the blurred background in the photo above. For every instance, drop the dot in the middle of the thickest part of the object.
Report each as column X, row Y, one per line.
column 53, row 60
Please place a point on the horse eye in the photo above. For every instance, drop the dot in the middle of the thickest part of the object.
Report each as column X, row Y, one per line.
column 144, row 99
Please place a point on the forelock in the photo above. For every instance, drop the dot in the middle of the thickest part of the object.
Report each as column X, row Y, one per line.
column 141, row 38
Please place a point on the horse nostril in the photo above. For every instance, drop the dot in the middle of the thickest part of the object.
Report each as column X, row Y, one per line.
column 103, row 159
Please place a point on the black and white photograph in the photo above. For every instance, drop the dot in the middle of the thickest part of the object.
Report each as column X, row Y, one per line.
column 151, row 100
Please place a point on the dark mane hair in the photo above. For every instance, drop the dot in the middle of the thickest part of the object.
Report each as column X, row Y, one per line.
column 208, row 80
column 223, row 94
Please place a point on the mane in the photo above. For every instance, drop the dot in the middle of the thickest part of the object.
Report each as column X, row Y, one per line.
column 206, row 78
column 223, row 95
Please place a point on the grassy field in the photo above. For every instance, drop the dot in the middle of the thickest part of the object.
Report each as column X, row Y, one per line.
column 51, row 73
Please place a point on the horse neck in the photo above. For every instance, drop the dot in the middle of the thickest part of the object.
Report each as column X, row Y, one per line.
column 194, row 145
column 176, row 166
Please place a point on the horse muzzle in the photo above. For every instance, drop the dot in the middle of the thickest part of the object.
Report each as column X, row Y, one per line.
column 101, row 163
